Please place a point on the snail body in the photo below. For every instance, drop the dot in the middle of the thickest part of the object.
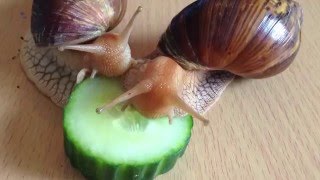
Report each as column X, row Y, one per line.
column 152, row 92
column 247, row 38
column 109, row 54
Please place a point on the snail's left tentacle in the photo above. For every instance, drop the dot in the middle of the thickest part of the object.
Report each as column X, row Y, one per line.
column 125, row 106
column 125, row 35
column 141, row 88
column 135, row 62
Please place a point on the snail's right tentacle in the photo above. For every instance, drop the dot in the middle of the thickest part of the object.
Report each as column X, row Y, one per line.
column 141, row 88
column 125, row 35
column 89, row 48
column 81, row 75
column 171, row 116
column 181, row 104
column 94, row 73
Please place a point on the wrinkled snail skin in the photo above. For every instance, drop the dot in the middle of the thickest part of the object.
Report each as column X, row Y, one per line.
column 61, row 22
column 53, row 72
column 249, row 38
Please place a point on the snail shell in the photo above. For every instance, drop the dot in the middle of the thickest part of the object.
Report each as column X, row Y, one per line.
column 61, row 22
column 249, row 38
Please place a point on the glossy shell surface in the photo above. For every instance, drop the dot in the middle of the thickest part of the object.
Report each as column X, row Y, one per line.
column 60, row 22
column 249, row 38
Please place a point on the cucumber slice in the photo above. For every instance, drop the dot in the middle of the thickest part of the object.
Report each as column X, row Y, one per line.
column 119, row 145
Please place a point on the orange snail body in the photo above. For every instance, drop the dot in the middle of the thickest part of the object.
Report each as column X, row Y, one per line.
column 117, row 58
column 152, row 104
column 249, row 38
column 109, row 54
column 154, row 89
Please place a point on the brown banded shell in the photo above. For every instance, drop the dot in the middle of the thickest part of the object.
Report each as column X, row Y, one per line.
column 249, row 38
column 60, row 22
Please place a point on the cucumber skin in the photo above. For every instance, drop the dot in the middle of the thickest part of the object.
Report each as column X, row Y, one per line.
column 95, row 169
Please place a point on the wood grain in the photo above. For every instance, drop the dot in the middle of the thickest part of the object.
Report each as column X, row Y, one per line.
column 260, row 129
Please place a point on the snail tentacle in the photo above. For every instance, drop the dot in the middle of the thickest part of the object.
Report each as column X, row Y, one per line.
column 140, row 88
column 125, row 35
column 179, row 103
column 89, row 48
column 93, row 73
column 125, row 106
column 170, row 116
column 81, row 75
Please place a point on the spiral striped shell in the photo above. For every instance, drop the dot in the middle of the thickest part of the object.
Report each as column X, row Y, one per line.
column 249, row 38
column 60, row 22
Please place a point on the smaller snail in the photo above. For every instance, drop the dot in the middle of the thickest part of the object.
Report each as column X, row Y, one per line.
column 109, row 54
column 57, row 23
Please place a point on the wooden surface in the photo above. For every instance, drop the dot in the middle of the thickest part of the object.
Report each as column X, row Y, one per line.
column 260, row 129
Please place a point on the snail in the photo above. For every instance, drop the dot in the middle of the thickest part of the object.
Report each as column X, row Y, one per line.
column 205, row 46
column 60, row 22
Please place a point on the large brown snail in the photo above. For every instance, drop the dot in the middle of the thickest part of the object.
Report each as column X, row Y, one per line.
column 205, row 45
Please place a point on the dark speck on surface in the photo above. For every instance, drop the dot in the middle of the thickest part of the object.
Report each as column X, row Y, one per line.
column 22, row 38
column 18, row 87
column 23, row 15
